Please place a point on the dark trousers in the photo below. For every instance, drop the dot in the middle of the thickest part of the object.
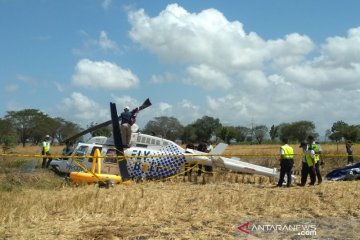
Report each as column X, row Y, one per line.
column 286, row 167
column 208, row 169
column 44, row 163
column 187, row 171
column 318, row 173
column 305, row 171
column 312, row 173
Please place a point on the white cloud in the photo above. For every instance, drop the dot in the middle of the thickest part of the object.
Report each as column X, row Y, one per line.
column 82, row 108
column 186, row 104
column 164, row 107
column 337, row 66
column 178, row 36
column 289, row 51
column 267, row 81
column 207, row 77
column 254, row 80
column 123, row 101
column 107, row 75
column 92, row 45
column 217, row 52
column 105, row 3
column 163, row 78
column 323, row 77
column 106, row 43
column 184, row 110
column 342, row 51
column 228, row 103
column 26, row 79
column 11, row 88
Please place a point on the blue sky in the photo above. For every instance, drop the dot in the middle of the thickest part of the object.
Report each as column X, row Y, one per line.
column 244, row 62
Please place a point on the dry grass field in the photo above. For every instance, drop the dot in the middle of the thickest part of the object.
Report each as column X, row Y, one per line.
column 41, row 205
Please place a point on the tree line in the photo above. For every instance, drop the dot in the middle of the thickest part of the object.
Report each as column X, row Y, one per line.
column 31, row 125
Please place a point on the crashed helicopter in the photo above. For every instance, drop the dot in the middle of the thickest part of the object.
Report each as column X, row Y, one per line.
column 148, row 157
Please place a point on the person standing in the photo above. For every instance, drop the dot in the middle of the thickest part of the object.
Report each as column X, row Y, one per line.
column 67, row 150
column 125, row 126
column 45, row 151
column 286, row 163
column 305, row 167
column 317, row 151
column 319, row 162
column 311, row 159
column 349, row 151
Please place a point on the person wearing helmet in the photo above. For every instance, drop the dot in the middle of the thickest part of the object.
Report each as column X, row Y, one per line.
column 125, row 126
column 45, row 151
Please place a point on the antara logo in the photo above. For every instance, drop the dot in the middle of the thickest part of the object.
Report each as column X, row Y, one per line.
column 244, row 227
column 301, row 229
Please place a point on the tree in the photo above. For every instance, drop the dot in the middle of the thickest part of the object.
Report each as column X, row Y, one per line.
column 260, row 133
column 189, row 134
column 45, row 125
column 8, row 142
column 104, row 131
column 26, row 122
column 337, row 131
column 32, row 125
column 352, row 133
column 274, row 132
column 206, row 127
column 285, row 131
column 340, row 130
column 227, row 134
column 168, row 127
column 297, row 131
column 65, row 129
column 5, row 128
column 241, row 133
column 302, row 129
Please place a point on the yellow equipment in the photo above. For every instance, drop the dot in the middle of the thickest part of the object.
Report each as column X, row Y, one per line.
column 91, row 176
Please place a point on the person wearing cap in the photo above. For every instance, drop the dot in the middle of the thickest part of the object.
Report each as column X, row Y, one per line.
column 127, row 119
column 45, row 151
column 304, row 167
column 349, row 151
column 312, row 158
column 286, row 163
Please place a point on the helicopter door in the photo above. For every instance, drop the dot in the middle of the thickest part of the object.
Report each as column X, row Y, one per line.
column 110, row 165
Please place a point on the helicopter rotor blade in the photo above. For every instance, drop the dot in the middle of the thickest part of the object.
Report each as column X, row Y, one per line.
column 146, row 104
column 88, row 130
